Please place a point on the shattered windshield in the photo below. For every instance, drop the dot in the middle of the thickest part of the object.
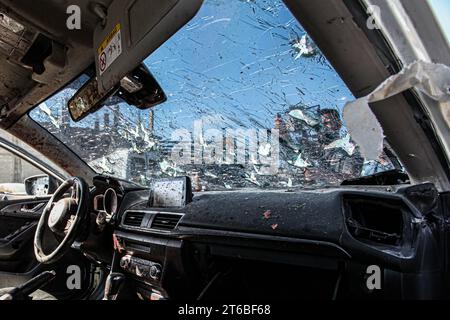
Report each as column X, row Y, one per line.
column 252, row 102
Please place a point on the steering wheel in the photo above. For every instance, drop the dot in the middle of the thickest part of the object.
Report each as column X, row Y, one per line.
column 64, row 216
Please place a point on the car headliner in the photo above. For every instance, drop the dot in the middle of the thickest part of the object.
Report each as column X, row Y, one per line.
column 359, row 55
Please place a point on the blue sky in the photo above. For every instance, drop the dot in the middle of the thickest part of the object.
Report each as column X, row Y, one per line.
column 442, row 11
column 235, row 63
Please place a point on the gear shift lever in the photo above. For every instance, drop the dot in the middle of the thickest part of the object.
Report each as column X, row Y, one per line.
column 114, row 284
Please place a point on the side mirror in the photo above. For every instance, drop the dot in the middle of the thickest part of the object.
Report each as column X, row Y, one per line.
column 40, row 185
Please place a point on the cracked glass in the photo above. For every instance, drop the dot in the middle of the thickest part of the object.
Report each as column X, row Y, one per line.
column 251, row 102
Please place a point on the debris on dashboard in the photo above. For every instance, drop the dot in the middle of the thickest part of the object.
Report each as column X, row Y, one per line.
column 267, row 214
column 274, row 226
column 431, row 79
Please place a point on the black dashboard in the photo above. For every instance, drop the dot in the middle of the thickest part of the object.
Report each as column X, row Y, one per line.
column 293, row 244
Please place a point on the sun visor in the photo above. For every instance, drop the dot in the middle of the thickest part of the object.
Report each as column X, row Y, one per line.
column 132, row 30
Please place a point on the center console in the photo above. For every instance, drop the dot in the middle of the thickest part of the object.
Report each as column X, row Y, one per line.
column 146, row 247
column 141, row 268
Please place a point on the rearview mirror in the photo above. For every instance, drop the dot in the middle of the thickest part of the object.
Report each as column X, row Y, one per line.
column 40, row 185
column 138, row 88
column 86, row 100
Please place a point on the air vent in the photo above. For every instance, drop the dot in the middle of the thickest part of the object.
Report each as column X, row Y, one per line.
column 133, row 218
column 165, row 221
column 376, row 221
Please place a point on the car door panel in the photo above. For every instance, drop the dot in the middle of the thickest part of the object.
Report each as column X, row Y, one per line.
column 19, row 218
column 18, row 221
column 20, row 211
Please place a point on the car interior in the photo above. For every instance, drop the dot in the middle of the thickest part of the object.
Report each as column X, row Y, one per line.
column 101, row 215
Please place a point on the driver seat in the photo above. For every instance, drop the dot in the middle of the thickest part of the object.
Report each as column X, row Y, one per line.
column 37, row 295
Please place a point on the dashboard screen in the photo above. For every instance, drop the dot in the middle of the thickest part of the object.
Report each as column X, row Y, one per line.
column 168, row 193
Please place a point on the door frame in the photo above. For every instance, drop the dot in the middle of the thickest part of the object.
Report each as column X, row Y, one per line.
column 33, row 160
